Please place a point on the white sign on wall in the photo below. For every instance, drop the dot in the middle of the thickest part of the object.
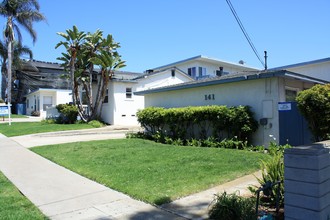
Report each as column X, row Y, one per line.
column 284, row 106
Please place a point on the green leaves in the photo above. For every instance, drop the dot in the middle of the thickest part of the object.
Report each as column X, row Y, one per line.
column 194, row 121
column 314, row 104
column 83, row 52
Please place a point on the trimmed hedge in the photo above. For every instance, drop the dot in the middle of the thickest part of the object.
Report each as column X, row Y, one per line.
column 220, row 122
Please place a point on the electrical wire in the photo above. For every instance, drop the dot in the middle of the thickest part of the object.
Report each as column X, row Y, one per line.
column 245, row 32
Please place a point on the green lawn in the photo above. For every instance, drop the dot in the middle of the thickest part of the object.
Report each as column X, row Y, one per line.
column 13, row 205
column 23, row 128
column 14, row 116
column 149, row 171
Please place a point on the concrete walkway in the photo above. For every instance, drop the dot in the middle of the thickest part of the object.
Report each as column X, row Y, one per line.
column 62, row 194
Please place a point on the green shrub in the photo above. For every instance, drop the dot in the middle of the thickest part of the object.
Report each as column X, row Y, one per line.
column 233, row 206
column 273, row 171
column 68, row 112
column 180, row 123
column 314, row 105
column 1, row 101
column 96, row 124
column 48, row 121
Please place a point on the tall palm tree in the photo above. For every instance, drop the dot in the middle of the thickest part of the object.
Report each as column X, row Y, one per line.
column 74, row 40
column 19, row 51
column 19, row 13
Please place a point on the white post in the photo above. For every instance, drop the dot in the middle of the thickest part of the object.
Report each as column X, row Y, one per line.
column 9, row 112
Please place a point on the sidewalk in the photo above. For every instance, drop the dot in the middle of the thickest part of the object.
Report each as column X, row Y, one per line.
column 61, row 194
column 104, row 133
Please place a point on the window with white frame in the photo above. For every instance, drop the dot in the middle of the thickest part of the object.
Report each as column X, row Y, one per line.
column 129, row 92
column 291, row 94
column 201, row 71
column 47, row 102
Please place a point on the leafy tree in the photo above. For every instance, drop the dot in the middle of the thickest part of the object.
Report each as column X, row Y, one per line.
column 314, row 104
column 83, row 52
column 18, row 13
column 19, row 50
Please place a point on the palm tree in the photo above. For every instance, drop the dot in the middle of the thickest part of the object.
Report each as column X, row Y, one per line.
column 18, row 13
column 19, row 51
column 74, row 39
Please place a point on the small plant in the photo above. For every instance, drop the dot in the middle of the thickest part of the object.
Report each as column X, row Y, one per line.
column 96, row 124
column 35, row 113
column 273, row 171
column 178, row 142
column 159, row 137
column 194, row 142
column 139, row 134
column 168, row 140
column 232, row 206
column 1, row 101
column 48, row 121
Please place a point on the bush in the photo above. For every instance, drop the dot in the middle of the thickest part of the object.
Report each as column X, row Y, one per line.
column 232, row 206
column 181, row 123
column 68, row 114
column 272, row 171
column 1, row 101
column 314, row 105
column 96, row 124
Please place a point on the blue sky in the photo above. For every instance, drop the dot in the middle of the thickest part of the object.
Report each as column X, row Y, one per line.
column 154, row 33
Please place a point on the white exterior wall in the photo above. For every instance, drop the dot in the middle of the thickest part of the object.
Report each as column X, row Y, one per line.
column 63, row 97
column 212, row 67
column 58, row 97
column 121, row 110
column 107, row 109
column 320, row 70
column 161, row 79
column 261, row 95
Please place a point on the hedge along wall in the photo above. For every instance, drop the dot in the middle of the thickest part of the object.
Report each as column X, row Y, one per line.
column 200, row 122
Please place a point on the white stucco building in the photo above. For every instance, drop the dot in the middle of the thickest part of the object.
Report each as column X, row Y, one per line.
column 42, row 99
column 316, row 68
column 263, row 91
column 123, row 104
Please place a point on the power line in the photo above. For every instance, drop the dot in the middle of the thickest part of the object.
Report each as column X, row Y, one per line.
column 245, row 32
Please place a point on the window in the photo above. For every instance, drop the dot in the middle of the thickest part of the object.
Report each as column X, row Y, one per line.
column 291, row 94
column 128, row 93
column 27, row 103
column 201, row 71
column 106, row 97
column 47, row 102
column 84, row 99
column 192, row 72
column 173, row 72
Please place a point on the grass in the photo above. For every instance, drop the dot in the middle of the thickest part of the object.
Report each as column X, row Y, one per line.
column 14, row 116
column 24, row 128
column 13, row 205
column 149, row 171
